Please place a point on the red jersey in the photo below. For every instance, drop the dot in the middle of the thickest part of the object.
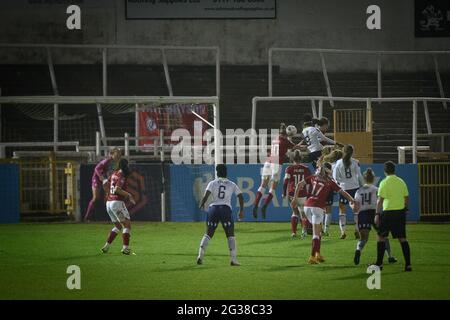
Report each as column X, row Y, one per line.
column 117, row 179
column 292, row 176
column 279, row 149
column 319, row 190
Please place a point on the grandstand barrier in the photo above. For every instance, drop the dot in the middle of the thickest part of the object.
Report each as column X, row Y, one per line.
column 29, row 188
column 4, row 145
column 9, row 193
column 402, row 152
column 42, row 185
column 188, row 183
column 434, row 184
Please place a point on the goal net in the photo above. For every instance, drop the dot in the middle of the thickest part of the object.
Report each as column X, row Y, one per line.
column 142, row 126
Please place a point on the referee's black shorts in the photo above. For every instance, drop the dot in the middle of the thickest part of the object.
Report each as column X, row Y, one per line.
column 393, row 221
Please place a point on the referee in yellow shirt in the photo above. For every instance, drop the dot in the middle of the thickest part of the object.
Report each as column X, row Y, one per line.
column 392, row 207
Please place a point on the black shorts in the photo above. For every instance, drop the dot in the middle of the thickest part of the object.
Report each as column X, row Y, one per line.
column 350, row 192
column 314, row 156
column 366, row 219
column 330, row 199
column 220, row 214
column 394, row 222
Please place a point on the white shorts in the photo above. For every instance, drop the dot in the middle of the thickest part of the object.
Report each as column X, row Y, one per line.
column 117, row 211
column 314, row 215
column 271, row 170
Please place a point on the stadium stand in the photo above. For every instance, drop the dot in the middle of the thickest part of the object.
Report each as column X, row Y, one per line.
column 239, row 84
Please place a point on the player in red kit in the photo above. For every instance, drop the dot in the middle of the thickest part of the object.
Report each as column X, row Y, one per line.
column 293, row 175
column 271, row 171
column 319, row 187
column 115, row 206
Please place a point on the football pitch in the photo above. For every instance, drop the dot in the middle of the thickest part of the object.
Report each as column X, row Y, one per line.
column 34, row 259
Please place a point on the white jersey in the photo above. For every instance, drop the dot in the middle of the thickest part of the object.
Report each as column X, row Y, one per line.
column 367, row 197
column 313, row 136
column 222, row 190
column 333, row 165
column 348, row 178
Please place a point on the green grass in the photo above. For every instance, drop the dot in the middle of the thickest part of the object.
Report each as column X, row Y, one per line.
column 34, row 259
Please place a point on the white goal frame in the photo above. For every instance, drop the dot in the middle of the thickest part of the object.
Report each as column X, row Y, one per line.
column 96, row 100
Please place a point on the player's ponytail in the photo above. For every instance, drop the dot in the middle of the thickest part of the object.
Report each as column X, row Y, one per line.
column 369, row 176
column 123, row 165
column 283, row 128
column 334, row 156
column 348, row 153
column 297, row 156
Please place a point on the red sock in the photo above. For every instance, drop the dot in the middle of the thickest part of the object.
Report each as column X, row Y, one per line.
column 315, row 246
column 294, row 223
column 268, row 199
column 257, row 198
column 112, row 236
column 126, row 239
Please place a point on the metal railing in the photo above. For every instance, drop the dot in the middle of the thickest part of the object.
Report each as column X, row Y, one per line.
column 378, row 54
column 402, row 152
column 43, row 185
column 4, row 145
column 434, row 185
column 351, row 120
column 442, row 137
column 367, row 101
column 104, row 51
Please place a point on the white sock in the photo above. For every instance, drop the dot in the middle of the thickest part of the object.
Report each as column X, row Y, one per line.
column 355, row 218
column 125, row 230
column 327, row 221
column 232, row 246
column 342, row 222
column 203, row 245
column 360, row 244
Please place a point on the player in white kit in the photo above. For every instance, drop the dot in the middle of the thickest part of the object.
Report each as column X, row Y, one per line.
column 314, row 138
column 347, row 174
column 221, row 189
column 366, row 198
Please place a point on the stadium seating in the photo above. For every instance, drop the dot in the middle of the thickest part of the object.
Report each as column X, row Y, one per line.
column 239, row 84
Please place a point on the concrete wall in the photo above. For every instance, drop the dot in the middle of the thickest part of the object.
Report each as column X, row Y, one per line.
column 299, row 23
